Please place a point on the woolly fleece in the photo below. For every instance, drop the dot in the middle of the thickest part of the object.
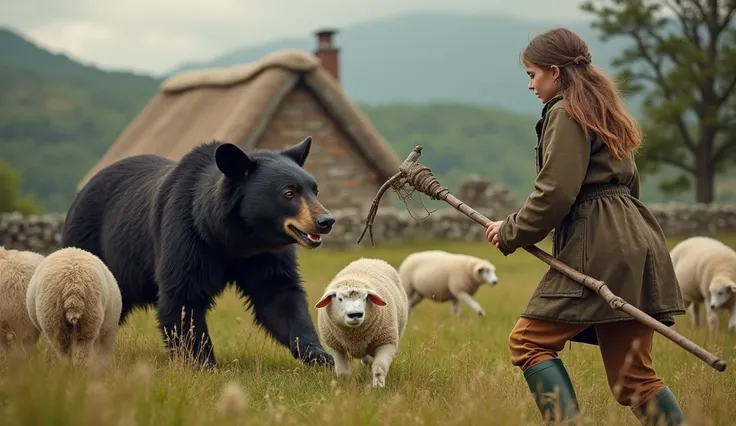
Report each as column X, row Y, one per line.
column 16, row 270
column 703, row 266
column 377, row 339
column 74, row 299
column 441, row 276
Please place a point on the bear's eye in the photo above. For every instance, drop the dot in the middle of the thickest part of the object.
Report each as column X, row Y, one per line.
column 289, row 193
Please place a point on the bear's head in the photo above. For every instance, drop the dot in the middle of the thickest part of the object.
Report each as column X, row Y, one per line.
column 273, row 198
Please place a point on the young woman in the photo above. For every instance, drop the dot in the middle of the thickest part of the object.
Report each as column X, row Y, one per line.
column 587, row 190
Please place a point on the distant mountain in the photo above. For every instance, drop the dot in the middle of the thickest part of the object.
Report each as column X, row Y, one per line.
column 411, row 58
column 427, row 57
column 57, row 116
column 17, row 51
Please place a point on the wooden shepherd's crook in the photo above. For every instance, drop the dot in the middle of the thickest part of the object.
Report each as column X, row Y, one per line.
column 420, row 177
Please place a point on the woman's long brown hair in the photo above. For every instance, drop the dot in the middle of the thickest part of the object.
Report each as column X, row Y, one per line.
column 592, row 99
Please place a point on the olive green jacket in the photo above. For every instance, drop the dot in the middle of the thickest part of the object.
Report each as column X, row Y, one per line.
column 601, row 229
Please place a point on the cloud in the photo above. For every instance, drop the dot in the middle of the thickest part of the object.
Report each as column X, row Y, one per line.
column 155, row 35
column 84, row 38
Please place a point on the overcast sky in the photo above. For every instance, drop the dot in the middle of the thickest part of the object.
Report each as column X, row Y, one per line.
column 156, row 35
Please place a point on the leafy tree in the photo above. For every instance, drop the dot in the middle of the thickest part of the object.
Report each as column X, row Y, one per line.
column 11, row 199
column 683, row 60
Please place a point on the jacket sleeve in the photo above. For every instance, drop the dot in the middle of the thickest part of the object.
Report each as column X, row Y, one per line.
column 566, row 152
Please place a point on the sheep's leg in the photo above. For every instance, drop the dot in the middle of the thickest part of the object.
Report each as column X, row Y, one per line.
column 455, row 307
column 367, row 360
column 21, row 347
column 732, row 318
column 474, row 305
column 695, row 314
column 342, row 365
column 712, row 317
column 382, row 359
column 61, row 342
column 17, row 344
column 62, row 351
column 414, row 299
column 29, row 342
column 105, row 347
column 6, row 340
column 81, row 351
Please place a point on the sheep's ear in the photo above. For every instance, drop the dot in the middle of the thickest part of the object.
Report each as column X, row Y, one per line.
column 732, row 286
column 477, row 269
column 375, row 298
column 325, row 300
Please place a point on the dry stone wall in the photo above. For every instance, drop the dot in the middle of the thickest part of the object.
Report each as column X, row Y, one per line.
column 39, row 233
column 43, row 233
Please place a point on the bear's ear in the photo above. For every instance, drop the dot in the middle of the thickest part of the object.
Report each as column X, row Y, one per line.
column 299, row 152
column 232, row 161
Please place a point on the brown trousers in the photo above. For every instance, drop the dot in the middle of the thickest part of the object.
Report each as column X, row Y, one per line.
column 625, row 347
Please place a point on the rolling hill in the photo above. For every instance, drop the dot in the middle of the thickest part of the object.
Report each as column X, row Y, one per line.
column 448, row 82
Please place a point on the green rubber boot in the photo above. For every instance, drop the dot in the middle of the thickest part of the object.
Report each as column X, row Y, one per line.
column 665, row 405
column 546, row 378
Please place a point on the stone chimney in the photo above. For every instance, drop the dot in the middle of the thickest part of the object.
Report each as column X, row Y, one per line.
column 327, row 52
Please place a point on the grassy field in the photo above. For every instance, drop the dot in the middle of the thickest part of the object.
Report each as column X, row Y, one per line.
column 449, row 371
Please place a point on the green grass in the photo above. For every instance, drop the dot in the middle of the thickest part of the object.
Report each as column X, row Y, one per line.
column 449, row 371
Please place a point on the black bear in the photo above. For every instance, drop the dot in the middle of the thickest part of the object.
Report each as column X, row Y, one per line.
column 175, row 233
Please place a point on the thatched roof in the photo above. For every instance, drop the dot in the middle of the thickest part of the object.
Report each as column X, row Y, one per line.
column 236, row 104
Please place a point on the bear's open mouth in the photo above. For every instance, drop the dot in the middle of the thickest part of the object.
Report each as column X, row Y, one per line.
column 311, row 240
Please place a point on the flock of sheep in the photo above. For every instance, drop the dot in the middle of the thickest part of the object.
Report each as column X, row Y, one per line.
column 70, row 296
column 73, row 299
column 363, row 311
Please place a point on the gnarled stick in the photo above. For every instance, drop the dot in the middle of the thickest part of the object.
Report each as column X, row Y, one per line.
column 419, row 176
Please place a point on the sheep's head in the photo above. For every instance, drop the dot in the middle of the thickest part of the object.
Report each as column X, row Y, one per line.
column 722, row 290
column 350, row 306
column 484, row 272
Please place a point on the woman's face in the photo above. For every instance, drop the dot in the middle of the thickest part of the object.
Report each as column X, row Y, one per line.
column 543, row 82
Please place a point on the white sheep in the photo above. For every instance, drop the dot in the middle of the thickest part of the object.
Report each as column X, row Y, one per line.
column 16, row 269
column 74, row 299
column 442, row 276
column 706, row 271
column 352, row 328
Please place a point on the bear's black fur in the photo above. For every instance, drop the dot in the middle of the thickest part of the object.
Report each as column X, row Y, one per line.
column 174, row 234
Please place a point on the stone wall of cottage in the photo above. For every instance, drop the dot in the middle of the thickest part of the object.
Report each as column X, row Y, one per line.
column 344, row 175
column 43, row 233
